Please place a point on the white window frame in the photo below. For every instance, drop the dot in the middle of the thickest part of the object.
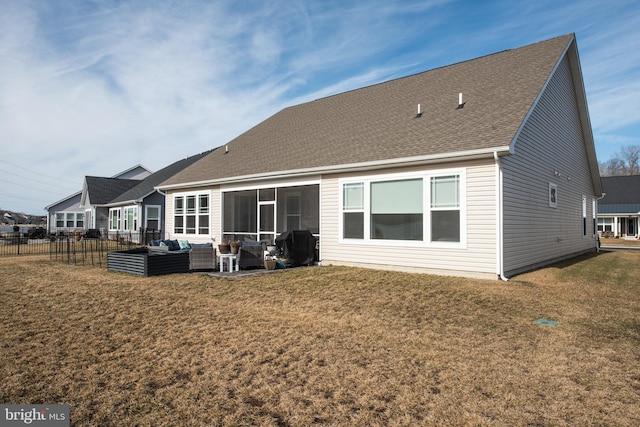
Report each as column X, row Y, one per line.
column 584, row 216
column 594, row 214
column 196, row 212
column 604, row 222
column 125, row 218
column 426, row 186
column 118, row 215
column 60, row 219
column 147, row 208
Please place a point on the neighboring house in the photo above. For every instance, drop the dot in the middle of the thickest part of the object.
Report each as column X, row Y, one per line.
column 619, row 209
column 484, row 168
column 67, row 215
column 117, row 205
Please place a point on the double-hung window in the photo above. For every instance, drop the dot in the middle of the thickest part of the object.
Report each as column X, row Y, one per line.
column 203, row 214
column 114, row 219
column 427, row 208
column 131, row 218
column 152, row 217
column 353, row 211
column 445, row 208
column 584, row 215
column 191, row 214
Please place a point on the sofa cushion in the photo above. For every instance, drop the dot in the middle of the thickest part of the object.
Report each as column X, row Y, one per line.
column 184, row 245
column 173, row 244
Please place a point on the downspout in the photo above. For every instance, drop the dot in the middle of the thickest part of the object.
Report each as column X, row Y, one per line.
column 499, row 220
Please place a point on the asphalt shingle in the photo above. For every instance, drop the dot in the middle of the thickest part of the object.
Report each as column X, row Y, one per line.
column 378, row 123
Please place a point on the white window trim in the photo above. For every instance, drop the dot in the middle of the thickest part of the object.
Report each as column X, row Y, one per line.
column 118, row 212
column 426, row 186
column 146, row 215
column 197, row 214
column 594, row 215
column 125, row 223
column 585, row 226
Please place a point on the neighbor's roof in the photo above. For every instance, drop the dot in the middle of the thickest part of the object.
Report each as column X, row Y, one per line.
column 102, row 190
column 622, row 194
column 147, row 185
column 377, row 124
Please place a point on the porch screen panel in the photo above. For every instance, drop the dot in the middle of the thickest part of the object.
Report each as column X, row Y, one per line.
column 267, row 218
column 298, row 208
column 397, row 210
column 240, row 217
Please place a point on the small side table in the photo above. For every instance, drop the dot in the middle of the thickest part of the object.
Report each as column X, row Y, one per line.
column 230, row 259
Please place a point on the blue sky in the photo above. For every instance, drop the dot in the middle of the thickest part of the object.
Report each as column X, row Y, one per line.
column 92, row 87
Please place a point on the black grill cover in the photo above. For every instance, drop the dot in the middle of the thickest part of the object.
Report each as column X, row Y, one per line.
column 298, row 247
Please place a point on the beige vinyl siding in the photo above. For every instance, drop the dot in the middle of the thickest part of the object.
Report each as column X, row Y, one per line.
column 550, row 148
column 215, row 226
column 478, row 259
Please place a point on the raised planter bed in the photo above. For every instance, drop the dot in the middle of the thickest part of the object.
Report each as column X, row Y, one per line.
column 145, row 263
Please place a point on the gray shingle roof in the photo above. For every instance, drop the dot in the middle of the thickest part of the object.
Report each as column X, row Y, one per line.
column 113, row 191
column 378, row 123
column 622, row 194
column 147, row 185
column 102, row 190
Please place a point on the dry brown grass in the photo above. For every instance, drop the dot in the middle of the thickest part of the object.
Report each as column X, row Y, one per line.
column 325, row 346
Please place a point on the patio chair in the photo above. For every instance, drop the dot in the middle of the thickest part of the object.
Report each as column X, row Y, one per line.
column 202, row 257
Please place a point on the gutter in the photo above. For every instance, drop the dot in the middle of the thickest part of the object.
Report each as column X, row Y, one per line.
column 499, row 219
column 350, row 167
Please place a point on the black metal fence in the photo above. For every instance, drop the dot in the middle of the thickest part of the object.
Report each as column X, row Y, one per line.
column 89, row 247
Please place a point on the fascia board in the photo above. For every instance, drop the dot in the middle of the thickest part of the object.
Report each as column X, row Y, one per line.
column 352, row 167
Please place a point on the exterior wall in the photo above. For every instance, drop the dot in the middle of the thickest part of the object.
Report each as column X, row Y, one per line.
column 550, row 149
column 135, row 173
column 478, row 259
column 155, row 199
column 215, row 216
column 71, row 205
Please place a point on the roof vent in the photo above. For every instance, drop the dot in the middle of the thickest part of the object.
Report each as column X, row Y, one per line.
column 226, row 149
column 460, row 103
column 419, row 111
